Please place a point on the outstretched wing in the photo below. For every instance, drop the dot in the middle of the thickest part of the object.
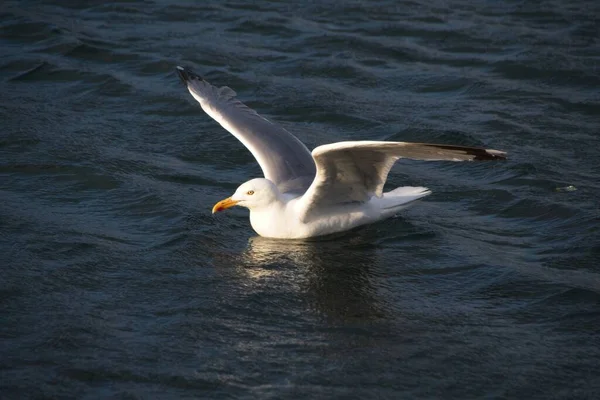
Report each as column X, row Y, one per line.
column 355, row 171
column 283, row 158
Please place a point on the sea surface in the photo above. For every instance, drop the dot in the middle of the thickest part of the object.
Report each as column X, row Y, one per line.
column 117, row 282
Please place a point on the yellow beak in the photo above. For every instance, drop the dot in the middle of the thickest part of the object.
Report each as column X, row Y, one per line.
column 224, row 204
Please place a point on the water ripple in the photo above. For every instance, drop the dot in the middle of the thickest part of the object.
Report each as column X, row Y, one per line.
column 118, row 281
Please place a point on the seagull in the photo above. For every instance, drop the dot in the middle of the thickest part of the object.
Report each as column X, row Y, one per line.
column 337, row 187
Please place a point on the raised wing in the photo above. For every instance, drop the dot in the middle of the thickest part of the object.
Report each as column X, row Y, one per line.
column 283, row 158
column 355, row 171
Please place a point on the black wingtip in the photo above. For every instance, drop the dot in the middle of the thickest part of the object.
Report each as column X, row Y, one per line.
column 186, row 74
column 478, row 153
column 488, row 154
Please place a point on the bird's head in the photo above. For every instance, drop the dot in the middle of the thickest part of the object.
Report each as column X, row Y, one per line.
column 253, row 194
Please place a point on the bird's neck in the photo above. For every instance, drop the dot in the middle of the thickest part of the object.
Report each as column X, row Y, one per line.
column 268, row 219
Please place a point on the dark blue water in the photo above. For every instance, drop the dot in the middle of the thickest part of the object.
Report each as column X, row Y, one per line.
column 117, row 282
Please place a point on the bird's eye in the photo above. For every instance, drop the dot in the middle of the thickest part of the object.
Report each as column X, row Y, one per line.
column 250, row 192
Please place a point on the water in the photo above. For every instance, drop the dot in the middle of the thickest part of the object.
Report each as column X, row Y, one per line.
column 118, row 283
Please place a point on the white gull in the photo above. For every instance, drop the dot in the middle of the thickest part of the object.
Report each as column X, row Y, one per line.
column 336, row 188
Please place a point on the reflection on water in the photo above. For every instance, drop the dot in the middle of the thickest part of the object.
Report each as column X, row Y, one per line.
column 335, row 276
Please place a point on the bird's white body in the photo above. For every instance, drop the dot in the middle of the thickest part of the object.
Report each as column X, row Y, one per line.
column 280, row 218
column 337, row 187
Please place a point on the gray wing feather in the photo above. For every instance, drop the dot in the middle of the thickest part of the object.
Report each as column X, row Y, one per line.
column 283, row 158
column 356, row 171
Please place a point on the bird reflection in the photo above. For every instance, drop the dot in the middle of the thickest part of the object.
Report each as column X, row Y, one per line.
column 335, row 276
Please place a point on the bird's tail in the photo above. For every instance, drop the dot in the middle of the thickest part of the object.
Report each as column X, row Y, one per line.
column 400, row 198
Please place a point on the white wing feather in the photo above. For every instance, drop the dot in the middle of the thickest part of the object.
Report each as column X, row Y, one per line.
column 283, row 158
column 356, row 171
